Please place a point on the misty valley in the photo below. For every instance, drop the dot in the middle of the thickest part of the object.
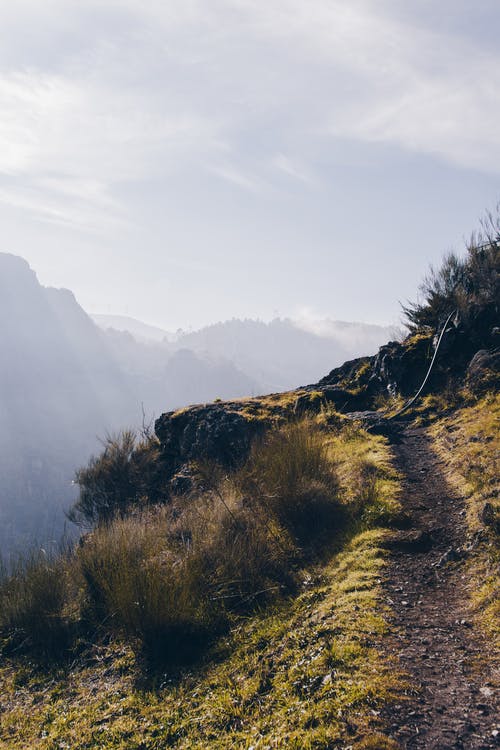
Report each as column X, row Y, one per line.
column 68, row 379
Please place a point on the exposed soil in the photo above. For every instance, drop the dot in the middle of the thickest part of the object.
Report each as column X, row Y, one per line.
column 452, row 702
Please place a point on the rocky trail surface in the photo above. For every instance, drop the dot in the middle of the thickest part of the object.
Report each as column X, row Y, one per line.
column 452, row 702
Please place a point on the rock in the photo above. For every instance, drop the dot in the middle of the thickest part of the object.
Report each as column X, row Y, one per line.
column 206, row 432
column 451, row 555
column 182, row 482
column 486, row 691
column 346, row 372
column 490, row 516
column 343, row 399
column 483, row 371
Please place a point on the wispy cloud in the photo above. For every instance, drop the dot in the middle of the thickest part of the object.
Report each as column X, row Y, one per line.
column 255, row 90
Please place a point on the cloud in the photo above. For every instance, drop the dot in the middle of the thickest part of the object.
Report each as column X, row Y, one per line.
column 96, row 95
column 383, row 79
column 78, row 139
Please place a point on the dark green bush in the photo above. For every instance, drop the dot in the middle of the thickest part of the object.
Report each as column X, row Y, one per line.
column 470, row 285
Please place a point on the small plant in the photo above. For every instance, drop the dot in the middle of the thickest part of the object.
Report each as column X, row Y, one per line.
column 147, row 588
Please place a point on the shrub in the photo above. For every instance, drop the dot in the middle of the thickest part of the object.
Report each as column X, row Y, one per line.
column 245, row 554
column 168, row 579
column 470, row 285
column 32, row 603
column 127, row 473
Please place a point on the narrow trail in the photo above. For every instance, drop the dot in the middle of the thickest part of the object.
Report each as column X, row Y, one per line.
column 452, row 705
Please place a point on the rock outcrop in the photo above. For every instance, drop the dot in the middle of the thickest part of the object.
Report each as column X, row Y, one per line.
column 224, row 431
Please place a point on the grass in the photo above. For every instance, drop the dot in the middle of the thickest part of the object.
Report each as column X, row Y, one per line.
column 469, row 442
column 34, row 611
column 304, row 675
column 292, row 477
column 152, row 594
column 303, row 671
column 169, row 579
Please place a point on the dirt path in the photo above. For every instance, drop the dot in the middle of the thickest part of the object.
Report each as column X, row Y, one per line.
column 452, row 705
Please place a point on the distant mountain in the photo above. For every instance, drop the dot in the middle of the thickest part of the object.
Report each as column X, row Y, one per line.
column 163, row 373
column 63, row 382
column 59, row 387
column 284, row 353
column 139, row 330
column 276, row 356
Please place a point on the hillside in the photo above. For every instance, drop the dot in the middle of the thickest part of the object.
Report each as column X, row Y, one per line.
column 275, row 356
column 139, row 330
column 59, row 386
column 309, row 569
column 64, row 384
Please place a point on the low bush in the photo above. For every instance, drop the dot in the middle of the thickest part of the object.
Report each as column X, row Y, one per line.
column 247, row 556
column 126, row 474
column 469, row 284
column 169, row 579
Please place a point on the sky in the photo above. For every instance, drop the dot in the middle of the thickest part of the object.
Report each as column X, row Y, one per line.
column 188, row 161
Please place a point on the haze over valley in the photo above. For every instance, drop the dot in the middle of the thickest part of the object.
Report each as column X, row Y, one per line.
column 67, row 379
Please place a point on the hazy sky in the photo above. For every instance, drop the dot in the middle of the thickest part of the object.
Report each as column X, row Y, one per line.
column 184, row 161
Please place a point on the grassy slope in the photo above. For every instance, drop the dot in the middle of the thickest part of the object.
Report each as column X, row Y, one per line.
column 306, row 674
column 468, row 440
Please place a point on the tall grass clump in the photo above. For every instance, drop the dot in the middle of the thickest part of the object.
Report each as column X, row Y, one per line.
column 33, row 600
column 290, row 475
column 144, row 585
column 168, row 579
column 246, row 554
column 171, row 579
